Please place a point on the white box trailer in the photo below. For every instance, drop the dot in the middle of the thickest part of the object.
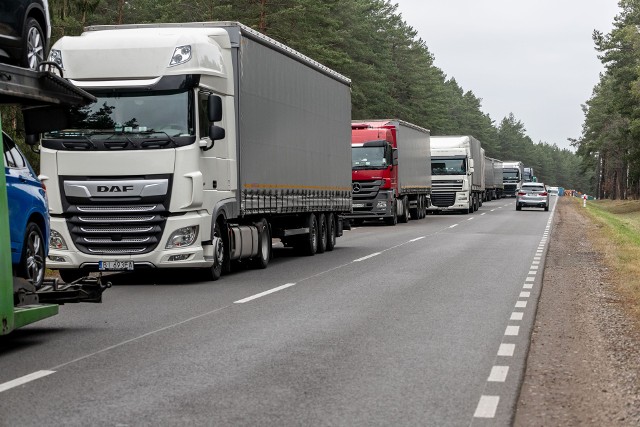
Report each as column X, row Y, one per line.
column 207, row 140
column 456, row 173
column 493, row 179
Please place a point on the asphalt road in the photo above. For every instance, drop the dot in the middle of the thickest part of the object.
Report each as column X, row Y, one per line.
column 425, row 323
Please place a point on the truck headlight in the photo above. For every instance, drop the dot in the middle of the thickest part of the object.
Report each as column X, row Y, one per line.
column 55, row 56
column 462, row 196
column 182, row 237
column 382, row 205
column 56, row 241
column 181, row 54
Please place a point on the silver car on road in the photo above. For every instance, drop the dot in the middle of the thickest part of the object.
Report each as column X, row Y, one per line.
column 532, row 194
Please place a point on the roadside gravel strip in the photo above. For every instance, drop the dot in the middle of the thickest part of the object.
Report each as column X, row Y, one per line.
column 583, row 366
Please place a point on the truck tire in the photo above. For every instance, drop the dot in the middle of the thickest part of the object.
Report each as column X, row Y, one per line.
column 404, row 218
column 214, row 272
column 331, row 232
column 69, row 275
column 393, row 219
column 471, row 205
column 264, row 245
column 415, row 212
column 322, row 233
column 308, row 245
column 32, row 259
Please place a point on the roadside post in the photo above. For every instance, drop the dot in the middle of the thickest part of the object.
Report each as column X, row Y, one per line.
column 584, row 201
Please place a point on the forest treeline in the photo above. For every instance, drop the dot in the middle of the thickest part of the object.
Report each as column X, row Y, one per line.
column 610, row 140
column 392, row 70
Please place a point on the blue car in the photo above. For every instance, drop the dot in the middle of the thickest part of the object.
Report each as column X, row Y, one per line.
column 28, row 215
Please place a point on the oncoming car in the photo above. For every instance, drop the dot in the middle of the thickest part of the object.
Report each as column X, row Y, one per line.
column 25, row 29
column 28, row 215
column 532, row 195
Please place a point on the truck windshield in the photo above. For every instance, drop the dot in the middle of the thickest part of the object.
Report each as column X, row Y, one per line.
column 510, row 175
column 132, row 116
column 448, row 167
column 368, row 157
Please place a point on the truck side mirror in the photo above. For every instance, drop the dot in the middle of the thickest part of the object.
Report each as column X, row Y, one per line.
column 216, row 132
column 31, row 139
column 394, row 156
column 214, row 108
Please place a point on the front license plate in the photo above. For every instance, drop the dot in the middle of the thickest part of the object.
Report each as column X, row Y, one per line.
column 358, row 205
column 115, row 265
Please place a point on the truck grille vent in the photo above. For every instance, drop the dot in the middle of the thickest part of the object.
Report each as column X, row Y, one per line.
column 365, row 190
column 443, row 199
column 111, row 251
column 119, row 209
column 446, row 186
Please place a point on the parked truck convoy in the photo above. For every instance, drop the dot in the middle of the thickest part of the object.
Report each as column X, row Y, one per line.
column 493, row 179
column 456, row 173
column 390, row 171
column 206, row 140
column 512, row 177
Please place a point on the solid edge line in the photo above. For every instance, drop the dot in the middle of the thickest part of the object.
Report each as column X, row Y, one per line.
column 23, row 380
column 261, row 294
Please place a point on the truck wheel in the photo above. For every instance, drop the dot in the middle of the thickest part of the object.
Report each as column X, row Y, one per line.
column 322, row 233
column 69, row 275
column 415, row 212
column 404, row 218
column 309, row 244
column 264, row 245
column 393, row 219
column 214, row 272
column 32, row 261
column 471, row 205
column 331, row 232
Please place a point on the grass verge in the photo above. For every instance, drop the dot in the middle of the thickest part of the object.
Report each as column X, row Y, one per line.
column 619, row 240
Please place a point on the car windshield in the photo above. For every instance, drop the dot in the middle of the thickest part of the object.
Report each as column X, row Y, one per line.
column 368, row 157
column 448, row 166
column 164, row 113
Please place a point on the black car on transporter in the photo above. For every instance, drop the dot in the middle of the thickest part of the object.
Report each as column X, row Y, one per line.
column 25, row 29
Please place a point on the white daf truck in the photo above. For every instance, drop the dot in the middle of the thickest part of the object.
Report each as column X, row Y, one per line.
column 207, row 140
column 457, row 174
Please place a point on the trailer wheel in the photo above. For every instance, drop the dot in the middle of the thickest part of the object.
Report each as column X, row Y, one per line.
column 264, row 245
column 322, row 233
column 32, row 261
column 331, row 232
column 308, row 245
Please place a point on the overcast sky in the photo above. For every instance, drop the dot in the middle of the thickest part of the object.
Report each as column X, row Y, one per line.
column 533, row 58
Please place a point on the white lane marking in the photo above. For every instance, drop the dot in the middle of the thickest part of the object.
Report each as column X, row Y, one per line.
column 528, row 285
column 23, row 380
column 512, row 331
column 534, row 267
column 261, row 294
column 483, row 213
column 469, row 219
column 367, row 257
column 516, row 315
column 525, row 294
column 506, row 350
column 535, row 263
column 492, row 210
column 417, row 238
column 487, row 407
column 498, row 374
column 533, row 272
column 530, row 279
column 521, row 304
column 454, row 225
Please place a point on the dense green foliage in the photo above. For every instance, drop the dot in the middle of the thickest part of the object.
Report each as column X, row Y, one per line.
column 611, row 130
column 392, row 70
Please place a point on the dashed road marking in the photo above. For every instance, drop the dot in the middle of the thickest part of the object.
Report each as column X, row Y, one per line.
column 487, row 407
column 512, row 331
column 261, row 294
column 506, row 350
column 498, row 374
column 516, row 315
column 367, row 257
column 23, row 380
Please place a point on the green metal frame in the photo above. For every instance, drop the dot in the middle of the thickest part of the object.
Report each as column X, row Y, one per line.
column 13, row 317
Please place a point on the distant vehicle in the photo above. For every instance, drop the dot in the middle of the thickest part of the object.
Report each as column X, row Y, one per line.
column 512, row 177
column 25, row 30
column 457, row 174
column 553, row 190
column 28, row 215
column 532, row 194
column 390, row 171
column 529, row 176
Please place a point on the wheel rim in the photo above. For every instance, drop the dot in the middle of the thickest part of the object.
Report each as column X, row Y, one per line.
column 35, row 258
column 313, row 229
column 35, row 48
column 323, row 232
